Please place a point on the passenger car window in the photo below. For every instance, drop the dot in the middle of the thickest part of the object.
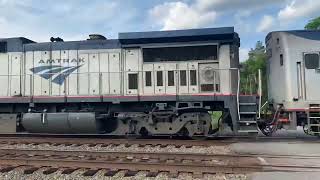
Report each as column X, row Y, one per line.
column 311, row 61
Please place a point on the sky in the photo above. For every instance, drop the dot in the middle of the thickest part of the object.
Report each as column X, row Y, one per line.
column 39, row 20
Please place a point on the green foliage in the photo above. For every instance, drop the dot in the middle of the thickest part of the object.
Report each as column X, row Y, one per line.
column 249, row 71
column 313, row 24
column 215, row 116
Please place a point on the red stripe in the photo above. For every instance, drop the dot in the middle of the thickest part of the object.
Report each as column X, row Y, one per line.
column 43, row 97
column 296, row 109
column 248, row 94
column 13, row 97
column 301, row 109
column 119, row 96
column 133, row 96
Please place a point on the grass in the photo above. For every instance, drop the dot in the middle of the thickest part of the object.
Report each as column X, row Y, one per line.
column 215, row 117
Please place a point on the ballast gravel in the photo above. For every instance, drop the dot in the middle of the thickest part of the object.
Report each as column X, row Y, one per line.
column 122, row 147
column 18, row 174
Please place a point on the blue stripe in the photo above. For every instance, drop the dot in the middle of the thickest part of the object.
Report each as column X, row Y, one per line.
column 62, row 76
column 51, row 72
column 42, row 68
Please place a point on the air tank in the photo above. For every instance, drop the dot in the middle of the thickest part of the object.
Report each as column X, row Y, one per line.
column 63, row 123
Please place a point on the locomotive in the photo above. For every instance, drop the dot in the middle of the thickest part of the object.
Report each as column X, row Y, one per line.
column 152, row 83
column 143, row 83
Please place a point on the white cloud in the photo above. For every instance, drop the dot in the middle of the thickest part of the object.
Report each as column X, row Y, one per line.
column 222, row 5
column 265, row 24
column 243, row 54
column 179, row 15
column 299, row 9
column 39, row 20
column 201, row 13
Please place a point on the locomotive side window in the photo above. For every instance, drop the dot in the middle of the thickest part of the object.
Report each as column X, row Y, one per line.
column 3, row 47
column 281, row 59
column 185, row 53
column 170, row 78
column 193, row 77
column 311, row 61
column 148, row 78
column 183, row 78
column 133, row 81
column 159, row 78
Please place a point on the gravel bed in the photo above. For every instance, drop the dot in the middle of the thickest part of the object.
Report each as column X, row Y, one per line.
column 133, row 148
column 18, row 174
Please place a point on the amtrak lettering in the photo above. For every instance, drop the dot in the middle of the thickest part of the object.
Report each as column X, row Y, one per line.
column 51, row 69
column 53, row 61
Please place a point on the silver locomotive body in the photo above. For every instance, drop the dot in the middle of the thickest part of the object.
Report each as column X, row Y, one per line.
column 161, row 82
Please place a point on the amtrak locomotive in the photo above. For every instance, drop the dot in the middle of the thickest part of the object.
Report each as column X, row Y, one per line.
column 143, row 83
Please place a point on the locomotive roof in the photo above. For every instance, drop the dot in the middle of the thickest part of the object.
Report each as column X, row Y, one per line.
column 15, row 44
column 81, row 45
column 223, row 35
column 219, row 35
column 307, row 34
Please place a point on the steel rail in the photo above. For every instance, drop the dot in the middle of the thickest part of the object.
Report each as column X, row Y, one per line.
column 154, row 162
column 151, row 155
column 82, row 140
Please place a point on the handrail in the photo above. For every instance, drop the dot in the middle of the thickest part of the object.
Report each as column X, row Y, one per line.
column 264, row 104
column 238, row 94
column 260, row 93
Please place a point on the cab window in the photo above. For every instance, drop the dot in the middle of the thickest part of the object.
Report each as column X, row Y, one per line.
column 311, row 61
column 3, row 47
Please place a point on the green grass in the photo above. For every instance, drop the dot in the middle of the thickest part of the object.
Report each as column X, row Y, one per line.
column 215, row 117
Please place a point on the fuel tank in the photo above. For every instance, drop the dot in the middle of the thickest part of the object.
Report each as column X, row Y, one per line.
column 65, row 123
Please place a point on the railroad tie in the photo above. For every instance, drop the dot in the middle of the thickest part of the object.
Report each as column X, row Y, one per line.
column 50, row 171
column 30, row 170
column 90, row 172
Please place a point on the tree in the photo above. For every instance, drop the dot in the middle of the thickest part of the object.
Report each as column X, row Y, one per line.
column 249, row 72
column 313, row 24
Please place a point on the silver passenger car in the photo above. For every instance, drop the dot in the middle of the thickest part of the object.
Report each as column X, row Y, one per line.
column 294, row 77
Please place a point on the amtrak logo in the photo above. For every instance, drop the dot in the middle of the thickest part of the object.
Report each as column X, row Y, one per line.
column 53, row 61
column 56, row 72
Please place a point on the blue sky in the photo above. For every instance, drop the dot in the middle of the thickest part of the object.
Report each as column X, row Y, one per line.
column 75, row 19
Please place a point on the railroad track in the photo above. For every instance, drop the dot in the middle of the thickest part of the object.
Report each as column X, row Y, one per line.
column 153, row 163
column 107, row 142
column 95, row 140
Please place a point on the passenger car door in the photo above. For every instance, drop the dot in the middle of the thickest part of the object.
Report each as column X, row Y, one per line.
column 312, row 76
